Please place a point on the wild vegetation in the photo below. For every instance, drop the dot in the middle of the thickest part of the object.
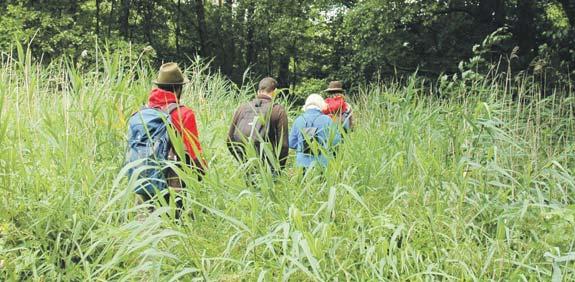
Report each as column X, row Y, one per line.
column 473, row 183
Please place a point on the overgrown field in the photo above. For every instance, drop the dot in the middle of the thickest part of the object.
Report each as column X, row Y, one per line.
column 476, row 185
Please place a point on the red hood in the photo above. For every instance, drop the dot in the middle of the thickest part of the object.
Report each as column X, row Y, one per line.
column 161, row 98
column 335, row 104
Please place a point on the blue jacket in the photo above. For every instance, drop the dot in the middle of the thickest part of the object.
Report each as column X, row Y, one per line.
column 328, row 135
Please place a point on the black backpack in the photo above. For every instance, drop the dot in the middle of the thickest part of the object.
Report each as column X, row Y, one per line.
column 310, row 138
column 253, row 125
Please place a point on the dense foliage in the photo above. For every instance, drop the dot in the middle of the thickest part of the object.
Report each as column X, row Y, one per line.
column 301, row 40
column 475, row 185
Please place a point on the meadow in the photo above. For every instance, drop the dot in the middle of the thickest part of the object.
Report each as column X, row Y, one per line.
column 475, row 184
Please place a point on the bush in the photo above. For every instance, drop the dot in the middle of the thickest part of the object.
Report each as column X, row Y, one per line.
column 307, row 87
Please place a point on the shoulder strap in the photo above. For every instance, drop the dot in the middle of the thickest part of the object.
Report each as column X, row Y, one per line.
column 265, row 108
column 261, row 104
column 171, row 107
column 313, row 121
column 167, row 110
column 143, row 107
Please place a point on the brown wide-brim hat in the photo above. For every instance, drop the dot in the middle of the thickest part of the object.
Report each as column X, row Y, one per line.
column 170, row 74
column 335, row 86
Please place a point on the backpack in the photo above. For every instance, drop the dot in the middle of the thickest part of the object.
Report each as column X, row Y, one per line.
column 310, row 135
column 148, row 141
column 345, row 119
column 250, row 127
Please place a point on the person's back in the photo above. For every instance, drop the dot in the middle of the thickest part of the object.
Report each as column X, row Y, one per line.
column 259, row 123
column 144, row 137
column 324, row 132
column 337, row 108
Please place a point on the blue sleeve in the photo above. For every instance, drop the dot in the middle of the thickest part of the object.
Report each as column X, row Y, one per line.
column 331, row 132
column 334, row 131
column 293, row 136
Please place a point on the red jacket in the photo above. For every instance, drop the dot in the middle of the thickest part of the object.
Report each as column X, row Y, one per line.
column 335, row 104
column 183, row 119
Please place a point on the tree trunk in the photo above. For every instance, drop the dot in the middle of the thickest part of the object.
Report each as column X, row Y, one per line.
column 569, row 7
column 229, row 38
column 250, row 54
column 492, row 12
column 148, row 25
column 337, row 39
column 525, row 31
column 73, row 10
column 178, row 30
column 295, row 63
column 283, row 74
column 202, row 31
column 125, row 19
column 98, row 17
column 269, row 46
column 294, row 75
column 110, row 17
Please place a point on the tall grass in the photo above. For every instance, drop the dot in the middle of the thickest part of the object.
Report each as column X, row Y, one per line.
column 476, row 185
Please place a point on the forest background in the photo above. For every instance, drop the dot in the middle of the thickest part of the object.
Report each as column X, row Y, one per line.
column 306, row 43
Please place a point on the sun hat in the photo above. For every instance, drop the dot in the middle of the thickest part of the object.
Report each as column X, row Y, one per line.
column 170, row 74
column 314, row 101
column 335, row 86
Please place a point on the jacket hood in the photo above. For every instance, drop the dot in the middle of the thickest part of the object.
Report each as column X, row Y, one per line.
column 335, row 104
column 161, row 98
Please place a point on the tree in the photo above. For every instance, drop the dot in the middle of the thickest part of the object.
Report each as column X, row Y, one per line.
column 202, row 31
column 124, row 20
column 148, row 9
column 98, row 16
column 525, row 27
column 298, row 40
column 569, row 7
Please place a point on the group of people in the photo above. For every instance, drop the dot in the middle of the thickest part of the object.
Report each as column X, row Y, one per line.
column 314, row 134
column 259, row 126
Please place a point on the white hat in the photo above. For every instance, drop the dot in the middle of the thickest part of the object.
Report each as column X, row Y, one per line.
column 314, row 101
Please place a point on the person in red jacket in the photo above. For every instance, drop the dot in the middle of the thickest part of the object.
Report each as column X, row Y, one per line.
column 337, row 108
column 170, row 82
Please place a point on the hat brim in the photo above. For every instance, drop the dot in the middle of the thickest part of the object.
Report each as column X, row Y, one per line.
column 186, row 80
column 334, row 90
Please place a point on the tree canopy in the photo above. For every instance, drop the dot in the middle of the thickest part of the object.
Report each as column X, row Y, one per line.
column 299, row 41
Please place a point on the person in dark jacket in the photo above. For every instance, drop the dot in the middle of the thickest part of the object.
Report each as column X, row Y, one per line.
column 326, row 133
column 268, row 124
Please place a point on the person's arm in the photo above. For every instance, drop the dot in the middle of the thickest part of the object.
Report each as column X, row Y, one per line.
column 293, row 136
column 190, row 135
column 232, row 129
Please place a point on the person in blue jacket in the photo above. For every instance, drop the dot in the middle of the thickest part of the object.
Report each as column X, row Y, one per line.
column 325, row 132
